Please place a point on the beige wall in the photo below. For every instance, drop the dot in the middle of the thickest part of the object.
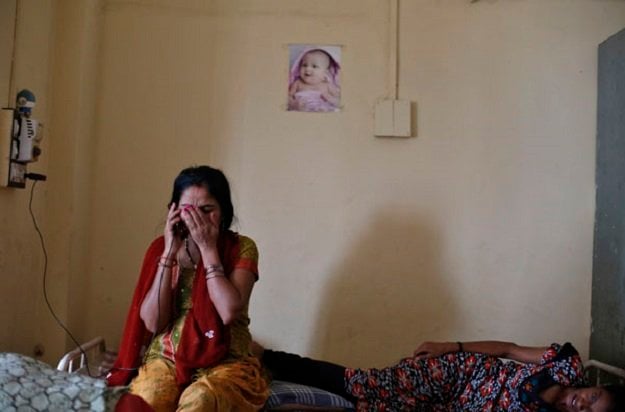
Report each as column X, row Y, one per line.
column 480, row 227
column 74, row 78
column 7, row 41
column 55, row 58
column 21, row 257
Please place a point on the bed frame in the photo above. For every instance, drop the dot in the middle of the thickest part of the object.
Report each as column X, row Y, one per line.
column 95, row 357
column 600, row 373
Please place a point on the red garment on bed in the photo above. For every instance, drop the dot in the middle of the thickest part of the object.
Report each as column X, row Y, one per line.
column 199, row 347
column 132, row 403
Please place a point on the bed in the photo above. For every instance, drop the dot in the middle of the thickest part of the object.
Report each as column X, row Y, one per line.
column 28, row 384
column 95, row 360
column 287, row 396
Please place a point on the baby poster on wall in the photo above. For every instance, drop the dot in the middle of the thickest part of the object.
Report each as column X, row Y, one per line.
column 314, row 78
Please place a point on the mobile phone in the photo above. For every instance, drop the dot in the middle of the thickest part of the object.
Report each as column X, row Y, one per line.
column 181, row 230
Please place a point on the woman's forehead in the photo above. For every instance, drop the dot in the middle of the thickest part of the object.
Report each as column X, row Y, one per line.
column 196, row 194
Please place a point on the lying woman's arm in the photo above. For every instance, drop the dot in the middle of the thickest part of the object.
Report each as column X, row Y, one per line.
column 508, row 350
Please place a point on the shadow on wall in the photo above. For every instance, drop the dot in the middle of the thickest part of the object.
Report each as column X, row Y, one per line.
column 387, row 296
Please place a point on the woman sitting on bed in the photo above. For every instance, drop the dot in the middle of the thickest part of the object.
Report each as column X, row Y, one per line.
column 454, row 376
column 187, row 327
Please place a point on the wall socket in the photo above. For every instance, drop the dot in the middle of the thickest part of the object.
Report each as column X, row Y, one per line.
column 392, row 118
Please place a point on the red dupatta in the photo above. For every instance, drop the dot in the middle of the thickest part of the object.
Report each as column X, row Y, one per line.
column 204, row 341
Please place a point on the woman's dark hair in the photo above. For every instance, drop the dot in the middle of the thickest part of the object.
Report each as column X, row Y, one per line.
column 215, row 183
column 617, row 393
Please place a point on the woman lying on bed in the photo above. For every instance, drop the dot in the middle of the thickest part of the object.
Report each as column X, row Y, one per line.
column 454, row 376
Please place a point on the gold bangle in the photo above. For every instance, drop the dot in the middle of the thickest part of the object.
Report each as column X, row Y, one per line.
column 215, row 274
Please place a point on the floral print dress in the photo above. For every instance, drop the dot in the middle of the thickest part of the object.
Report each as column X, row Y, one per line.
column 465, row 381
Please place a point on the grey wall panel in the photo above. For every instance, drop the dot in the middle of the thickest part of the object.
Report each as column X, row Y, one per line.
column 607, row 342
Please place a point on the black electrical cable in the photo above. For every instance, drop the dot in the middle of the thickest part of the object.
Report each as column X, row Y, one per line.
column 35, row 179
column 158, row 304
column 45, row 272
column 158, row 300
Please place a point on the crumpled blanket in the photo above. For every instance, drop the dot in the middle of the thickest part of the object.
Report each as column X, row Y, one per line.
column 28, row 384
